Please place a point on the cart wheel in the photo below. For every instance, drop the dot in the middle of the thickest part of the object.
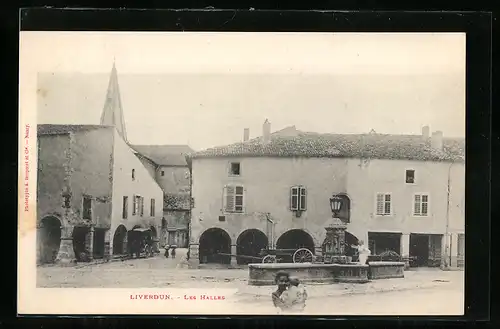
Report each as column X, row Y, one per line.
column 269, row 259
column 303, row 255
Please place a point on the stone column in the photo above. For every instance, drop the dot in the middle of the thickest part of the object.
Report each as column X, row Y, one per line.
column 234, row 260
column 108, row 246
column 318, row 252
column 194, row 256
column 90, row 243
column 405, row 249
column 66, row 253
column 454, row 250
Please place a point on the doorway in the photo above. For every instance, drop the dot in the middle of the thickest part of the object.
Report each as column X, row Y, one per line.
column 419, row 249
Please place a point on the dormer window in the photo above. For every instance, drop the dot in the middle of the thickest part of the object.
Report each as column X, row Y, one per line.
column 235, row 169
column 410, row 176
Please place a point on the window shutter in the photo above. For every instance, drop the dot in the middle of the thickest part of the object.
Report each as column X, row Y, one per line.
column 134, row 205
column 238, row 199
column 294, row 198
column 425, row 205
column 380, row 204
column 303, row 199
column 230, row 191
column 387, row 207
column 416, row 210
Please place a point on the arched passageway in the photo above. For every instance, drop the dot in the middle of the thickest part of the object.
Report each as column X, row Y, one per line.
column 212, row 242
column 295, row 239
column 81, row 242
column 49, row 239
column 120, row 241
column 134, row 239
column 250, row 243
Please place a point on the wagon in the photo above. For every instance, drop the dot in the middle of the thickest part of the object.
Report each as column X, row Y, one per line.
column 301, row 255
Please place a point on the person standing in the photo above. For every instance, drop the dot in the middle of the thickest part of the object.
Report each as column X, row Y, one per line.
column 173, row 251
column 166, row 251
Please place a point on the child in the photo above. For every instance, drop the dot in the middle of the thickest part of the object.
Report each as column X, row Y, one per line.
column 295, row 296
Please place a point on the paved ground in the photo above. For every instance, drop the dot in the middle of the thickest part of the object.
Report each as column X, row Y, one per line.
column 424, row 291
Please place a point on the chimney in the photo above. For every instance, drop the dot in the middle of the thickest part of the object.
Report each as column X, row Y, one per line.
column 437, row 140
column 246, row 134
column 426, row 131
column 266, row 131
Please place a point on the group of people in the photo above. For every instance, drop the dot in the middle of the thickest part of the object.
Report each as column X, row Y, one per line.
column 290, row 296
column 172, row 253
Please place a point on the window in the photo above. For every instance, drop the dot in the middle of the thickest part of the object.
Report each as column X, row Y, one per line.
column 87, row 207
column 383, row 204
column 133, row 174
column 234, row 169
column 136, row 205
column 222, row 218
column 163, row 172
column 125, row 207
column 410, row 176
column 233, row 199
column 421, row 205
column 152, row 211
column 298, row 198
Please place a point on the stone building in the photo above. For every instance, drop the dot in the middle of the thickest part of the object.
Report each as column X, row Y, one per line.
column 403, row 193
column 167, row 164
column 92, row 190
column 94, row 186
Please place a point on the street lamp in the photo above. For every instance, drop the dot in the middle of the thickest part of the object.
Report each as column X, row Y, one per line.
column 335, row 204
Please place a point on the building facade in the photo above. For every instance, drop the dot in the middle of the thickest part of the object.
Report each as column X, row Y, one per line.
column 400, row 193
column 92, row 191
column 167, row 164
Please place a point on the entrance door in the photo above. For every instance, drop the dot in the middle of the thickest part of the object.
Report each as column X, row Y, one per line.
column 435, row 250
column 419, row 249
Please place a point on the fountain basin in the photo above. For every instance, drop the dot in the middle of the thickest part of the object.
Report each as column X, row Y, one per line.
column 264, row 274
column 386, row 270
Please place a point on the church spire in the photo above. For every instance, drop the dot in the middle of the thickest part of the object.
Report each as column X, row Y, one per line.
column 112, row 113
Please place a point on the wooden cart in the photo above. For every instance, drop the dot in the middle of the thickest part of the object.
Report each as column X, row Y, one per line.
column 301, row 255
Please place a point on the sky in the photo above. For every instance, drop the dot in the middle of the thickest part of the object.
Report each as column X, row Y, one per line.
column 203, row 89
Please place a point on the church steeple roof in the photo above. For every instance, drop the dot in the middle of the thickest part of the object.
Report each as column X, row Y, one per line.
column 112, row 113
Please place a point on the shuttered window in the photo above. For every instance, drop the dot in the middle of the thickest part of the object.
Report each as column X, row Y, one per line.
column 421, row 205
column 384, row 205
column 298, row 198
column 234, row 199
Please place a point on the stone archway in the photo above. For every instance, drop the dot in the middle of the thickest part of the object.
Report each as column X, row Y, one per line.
column 212, row 242
column 250, row 243
column 295, row 239
column 49, row 239
column 120, row 241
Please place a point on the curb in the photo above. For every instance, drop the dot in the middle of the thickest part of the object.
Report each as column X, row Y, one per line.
column 247, row 295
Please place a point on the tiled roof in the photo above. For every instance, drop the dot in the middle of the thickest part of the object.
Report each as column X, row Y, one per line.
column 166, row 155
column 371, row 146
column 51, row 129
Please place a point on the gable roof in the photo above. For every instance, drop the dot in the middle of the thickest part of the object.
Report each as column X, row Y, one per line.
column 371, row 146
column 164, row 155
column 56, row 129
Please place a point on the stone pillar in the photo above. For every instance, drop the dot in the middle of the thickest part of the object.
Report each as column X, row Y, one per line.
column 405, row 249
column 194, row 256
column 453, row 250
column 90, row 243
column 66, row 253
column 234, row 260
column 108, row 246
